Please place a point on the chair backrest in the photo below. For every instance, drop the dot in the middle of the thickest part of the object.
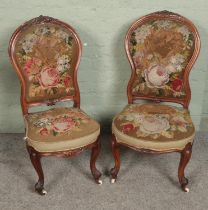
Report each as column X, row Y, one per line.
column 162, row 48
column 45, row 53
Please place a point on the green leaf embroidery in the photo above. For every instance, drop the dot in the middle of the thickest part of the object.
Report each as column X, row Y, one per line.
column 55, row 133
column 69, row 41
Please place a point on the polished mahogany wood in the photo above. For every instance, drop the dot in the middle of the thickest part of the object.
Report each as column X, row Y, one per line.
column 186, row 151
column 94, row 155
column 116, row 154
column 185, row 157
column 36, row 156
column 35, row 159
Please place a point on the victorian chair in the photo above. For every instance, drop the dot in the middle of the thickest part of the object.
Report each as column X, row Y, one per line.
column 161, row 48
column 45, row 53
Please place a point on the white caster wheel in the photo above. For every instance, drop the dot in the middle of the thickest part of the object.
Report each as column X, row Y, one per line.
column 113, row 181
column 186, row 189
column 41, row 192
column 100, row 182
column 44, row 192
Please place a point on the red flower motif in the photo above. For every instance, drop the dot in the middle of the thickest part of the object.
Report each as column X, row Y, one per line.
column 128, row 127
column 49, row 77
column 177, row 84
column 44, row 132
column 67, row 80
column 32, row 66
column 28, row 66
column 63, row 124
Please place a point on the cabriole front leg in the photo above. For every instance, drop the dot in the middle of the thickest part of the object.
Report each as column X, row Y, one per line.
column 94, row 155
column 116, row 154
column 35, row 159
column 185, row 157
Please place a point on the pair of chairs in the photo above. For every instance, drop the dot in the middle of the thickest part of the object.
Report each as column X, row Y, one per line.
column 161, row 48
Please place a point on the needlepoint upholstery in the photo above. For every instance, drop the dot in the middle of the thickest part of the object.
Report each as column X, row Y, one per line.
column 160, row 50
column 46, row 54
column 153, row 126
column 60, row 129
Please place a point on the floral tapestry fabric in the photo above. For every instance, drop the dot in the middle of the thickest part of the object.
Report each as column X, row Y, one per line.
column 59, row 124
column 155, row 122
column 44, row 53
column 160, row 50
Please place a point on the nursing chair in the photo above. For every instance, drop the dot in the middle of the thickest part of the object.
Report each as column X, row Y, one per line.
column 45, row 54
column 161, row 48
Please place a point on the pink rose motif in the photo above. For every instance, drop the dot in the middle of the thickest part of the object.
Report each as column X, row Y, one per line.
column 138, row 58
column 28, row 66
column 156, row 76
column 44, row 132
column 178, row 120
column 180, row 123
column 154, row 124
column 49, row 77
column 63, row 124
column 32, row 66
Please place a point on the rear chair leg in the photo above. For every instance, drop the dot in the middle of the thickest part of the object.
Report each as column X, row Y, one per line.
column 94, row 155
column 185, row 157
column 116, row 154
column 35, row 159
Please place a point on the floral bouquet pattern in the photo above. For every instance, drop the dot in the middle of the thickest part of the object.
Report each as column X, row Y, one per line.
column 57, row 122
column 160, row 51
column 44, row 54
column 154, row 121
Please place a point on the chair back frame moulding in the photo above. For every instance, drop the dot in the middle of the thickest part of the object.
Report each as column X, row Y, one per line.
column 13, row 41
column 163, row 15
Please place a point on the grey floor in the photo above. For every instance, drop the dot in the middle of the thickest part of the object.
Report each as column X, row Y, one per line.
column 145, row 181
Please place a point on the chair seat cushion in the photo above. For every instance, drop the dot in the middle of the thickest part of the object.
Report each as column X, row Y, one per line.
column 154, row 127
column 60, row 129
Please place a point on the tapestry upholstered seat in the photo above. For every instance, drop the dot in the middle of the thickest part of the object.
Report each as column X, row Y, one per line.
column 45, row 53
column 154, row 127
column 161, row 48
column 60, row 129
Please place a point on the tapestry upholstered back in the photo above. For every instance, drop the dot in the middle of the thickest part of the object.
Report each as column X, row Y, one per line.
column 45, row 53
column 162, row 48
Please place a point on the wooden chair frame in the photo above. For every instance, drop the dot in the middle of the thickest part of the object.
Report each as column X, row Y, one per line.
column 187, row 150
column 35, row 156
